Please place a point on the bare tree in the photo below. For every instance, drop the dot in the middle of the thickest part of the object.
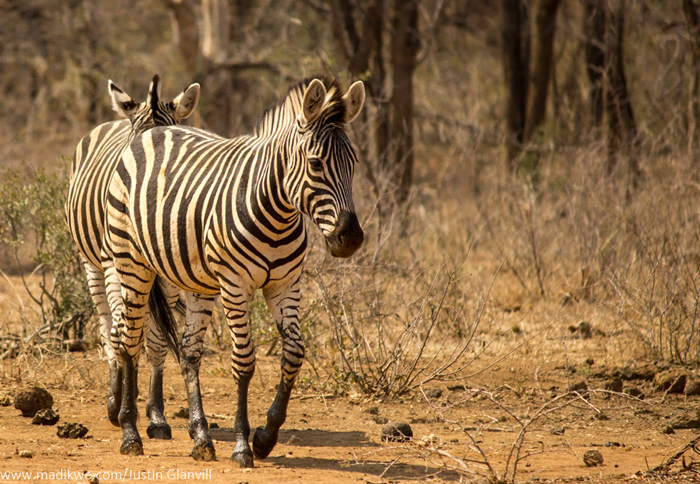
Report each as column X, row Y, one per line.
column 692, row 20
column 516, row 66
column 594, row 30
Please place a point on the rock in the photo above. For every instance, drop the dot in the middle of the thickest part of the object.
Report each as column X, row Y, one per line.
column 373, row 410
column 378, row 419
column 634, row 392
column 5, row 401
column 78, row 345
column 25, row 454
column 293, row 440
column 396, row 432
column 668, row 430
column 71, row 430
column 686, row 422
column 589, row 361
column 670, row 381
column 612, row 444
column 641, row 372
column 433, row 393
column 692, row 387
column 614, row 385
column 592, row 458
column 29, row 402
column 583, row 330
column 581, row 388
column 214, row 425
column 46, row 416
column 183, row 412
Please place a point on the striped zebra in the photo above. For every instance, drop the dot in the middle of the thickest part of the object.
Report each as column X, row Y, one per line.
column 226, row 216
column 95, row 159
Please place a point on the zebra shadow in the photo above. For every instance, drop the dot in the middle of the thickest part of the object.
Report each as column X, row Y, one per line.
column 306, row 438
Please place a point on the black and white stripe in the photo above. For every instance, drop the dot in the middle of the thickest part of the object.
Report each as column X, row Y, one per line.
column 226, row 216
column 94, row 162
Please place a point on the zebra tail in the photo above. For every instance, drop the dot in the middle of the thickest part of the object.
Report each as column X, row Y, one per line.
column 164, row 317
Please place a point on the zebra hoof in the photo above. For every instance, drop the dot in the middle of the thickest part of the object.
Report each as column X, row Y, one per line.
column 263, row 442
column 204, row 451
column 113, row 410
column 131, row 447
column 159, row 431
column 243, row 458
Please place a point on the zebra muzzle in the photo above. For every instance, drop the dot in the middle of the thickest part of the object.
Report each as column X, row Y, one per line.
column 347, row 236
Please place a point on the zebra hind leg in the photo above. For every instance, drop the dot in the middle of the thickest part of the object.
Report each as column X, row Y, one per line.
column 199, row 313
column 156, row 351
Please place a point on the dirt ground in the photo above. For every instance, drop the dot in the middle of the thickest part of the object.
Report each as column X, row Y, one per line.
column 336, row 438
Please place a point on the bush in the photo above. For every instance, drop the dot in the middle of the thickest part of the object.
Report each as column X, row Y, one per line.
column 33, row 228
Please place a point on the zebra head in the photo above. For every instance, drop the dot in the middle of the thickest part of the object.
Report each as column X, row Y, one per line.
column 324, row 163
column 154, row 112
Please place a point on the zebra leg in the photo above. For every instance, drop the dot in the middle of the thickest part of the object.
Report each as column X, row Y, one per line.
column 156, row 351
column 113, row 295
column 131, row 329
column 284, row 305
column 199, row 311
column 243, row 366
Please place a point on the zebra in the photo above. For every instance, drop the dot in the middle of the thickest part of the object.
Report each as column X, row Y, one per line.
column 93, row 164
column 226, row 216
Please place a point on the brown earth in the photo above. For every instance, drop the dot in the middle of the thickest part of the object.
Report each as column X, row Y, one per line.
column 334, row 439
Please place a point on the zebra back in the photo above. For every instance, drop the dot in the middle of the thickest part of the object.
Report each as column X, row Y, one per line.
column 203, row 209
column 98, row 152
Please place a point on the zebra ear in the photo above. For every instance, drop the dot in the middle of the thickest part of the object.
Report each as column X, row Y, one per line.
column 186, row 102
column 354, row 100
column 121, row 101
column 154, row 91
column 314, row 101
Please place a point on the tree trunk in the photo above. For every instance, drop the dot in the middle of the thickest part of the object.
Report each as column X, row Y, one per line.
column 622, row 129
column 404, row 52
column 692, row 20
column 542, row 65
column 594, row 30
column 516, row 53
column 186, row 33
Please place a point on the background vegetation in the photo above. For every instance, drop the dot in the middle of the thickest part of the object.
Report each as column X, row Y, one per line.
column 525, row 164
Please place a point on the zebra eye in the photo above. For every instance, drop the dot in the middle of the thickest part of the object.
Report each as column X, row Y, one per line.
column 316, row 163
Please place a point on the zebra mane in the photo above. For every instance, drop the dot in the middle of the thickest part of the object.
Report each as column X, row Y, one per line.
column 290, row 104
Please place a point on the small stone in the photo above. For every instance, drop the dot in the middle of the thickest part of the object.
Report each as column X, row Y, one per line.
column 433, row 393
column 581, row 388
column 558, row 431
column 692, row 388
column 634, row 392
column 686, row 422
column 612, row 444
column 614, row 385
column 669, row 430
column 372, row 410
column 214, row 425
column 293, row 440
column 396, row 432
column 592, row 458
column 5, row 401
column 72, row 430
column 183, row 412
column 589, row 361
column 94, row 480
column 25, row 454
column 670, row 381
column 79, row 345
column 379, row 419
column 29, row 402
column 46, row 416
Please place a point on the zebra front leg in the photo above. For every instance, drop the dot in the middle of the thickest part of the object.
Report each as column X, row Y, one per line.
column 284, row 305
column 243, row 366
column 199, row 313
column 156, row 351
